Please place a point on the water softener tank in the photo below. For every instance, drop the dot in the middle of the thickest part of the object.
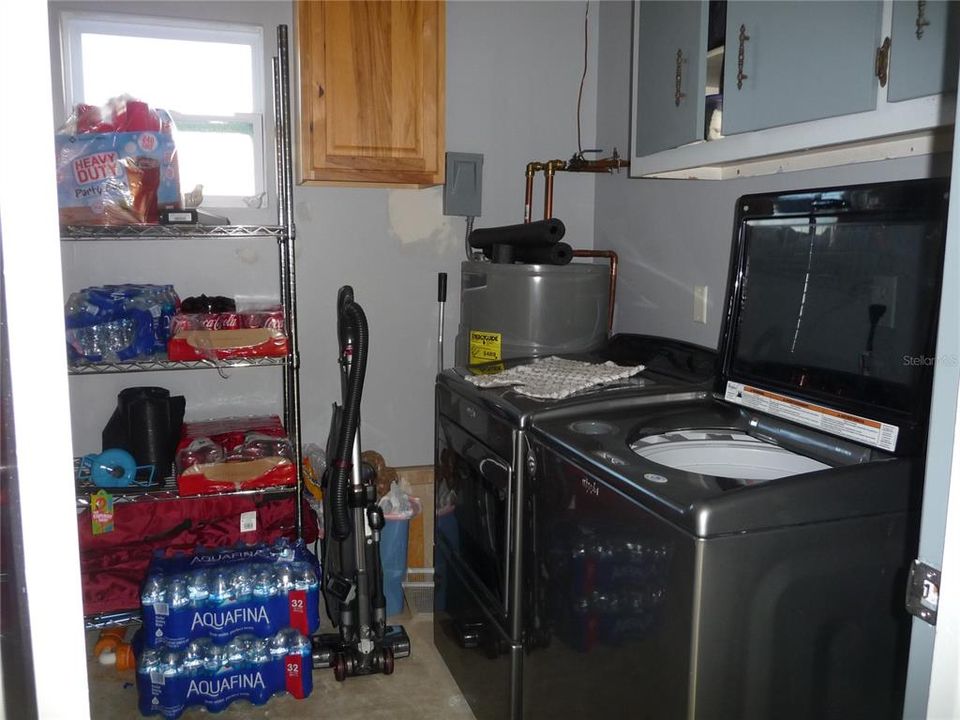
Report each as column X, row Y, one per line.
column 518, row 310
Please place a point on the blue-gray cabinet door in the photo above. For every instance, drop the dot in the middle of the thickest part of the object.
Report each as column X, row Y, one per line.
column 923, row 51
column 670, row 74
column 789, row 62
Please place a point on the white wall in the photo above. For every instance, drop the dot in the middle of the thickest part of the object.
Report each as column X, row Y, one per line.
column 674, row 234
column 513, row 72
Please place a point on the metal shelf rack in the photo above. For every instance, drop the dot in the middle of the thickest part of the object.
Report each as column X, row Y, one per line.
column 126, row 233
column 284, row 234
column 160, row 362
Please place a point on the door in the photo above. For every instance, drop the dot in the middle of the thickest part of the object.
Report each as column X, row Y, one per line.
column 670, row 70
column 473, row 527
column 371, row 91
column 789, row 62
column 923, row 54
column 932, row 672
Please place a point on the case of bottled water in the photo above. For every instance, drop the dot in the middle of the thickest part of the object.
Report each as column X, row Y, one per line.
column 221, row 593
column 214, row 675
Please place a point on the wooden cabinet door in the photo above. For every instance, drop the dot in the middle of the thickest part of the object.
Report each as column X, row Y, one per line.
column 371, row 91
column 670, row 48
column 923, row 54
column 799, row 61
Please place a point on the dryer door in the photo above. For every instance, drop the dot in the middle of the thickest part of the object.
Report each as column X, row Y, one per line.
column 474, row 525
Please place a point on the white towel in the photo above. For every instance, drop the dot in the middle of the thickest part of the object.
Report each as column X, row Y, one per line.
column 555, row 378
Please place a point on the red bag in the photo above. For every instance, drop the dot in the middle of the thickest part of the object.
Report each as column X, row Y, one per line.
column 113, row 565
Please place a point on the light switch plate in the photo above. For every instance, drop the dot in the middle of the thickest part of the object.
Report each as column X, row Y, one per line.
column 463, row 190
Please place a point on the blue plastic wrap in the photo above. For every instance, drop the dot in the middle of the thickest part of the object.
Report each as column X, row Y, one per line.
column 204, row 673
column 221, row 593
column 117, row 323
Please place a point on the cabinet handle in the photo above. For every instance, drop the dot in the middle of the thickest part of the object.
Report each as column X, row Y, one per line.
column 677, row 95
column 743, row 39
column 883, row 61
column 319, row 90
column 922, row 21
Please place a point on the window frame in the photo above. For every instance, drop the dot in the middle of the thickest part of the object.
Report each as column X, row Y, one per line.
column 74, row 24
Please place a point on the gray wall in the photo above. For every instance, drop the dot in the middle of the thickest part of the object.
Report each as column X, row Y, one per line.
column 513, row 72
column 674, row 234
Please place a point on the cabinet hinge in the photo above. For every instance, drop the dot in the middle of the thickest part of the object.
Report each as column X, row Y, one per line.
column 883, row 62
column 923, row 592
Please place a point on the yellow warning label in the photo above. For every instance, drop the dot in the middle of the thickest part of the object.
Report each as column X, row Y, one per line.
column 484, row 346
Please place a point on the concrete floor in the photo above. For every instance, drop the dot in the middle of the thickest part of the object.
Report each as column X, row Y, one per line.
column 420, row 688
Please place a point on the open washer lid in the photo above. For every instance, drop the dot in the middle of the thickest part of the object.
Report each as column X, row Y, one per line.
column 832, row 308
column 728, row 453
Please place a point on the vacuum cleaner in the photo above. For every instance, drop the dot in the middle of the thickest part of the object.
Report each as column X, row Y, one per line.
column 352, row 572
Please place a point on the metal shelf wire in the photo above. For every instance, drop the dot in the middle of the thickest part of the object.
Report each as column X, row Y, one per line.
column 160, row 362
column 165, row 490
column 91, row 233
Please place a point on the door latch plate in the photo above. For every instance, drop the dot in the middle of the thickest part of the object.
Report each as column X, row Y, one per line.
column 923, row 592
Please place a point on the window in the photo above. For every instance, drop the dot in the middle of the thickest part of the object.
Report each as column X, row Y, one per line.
column 209, row 76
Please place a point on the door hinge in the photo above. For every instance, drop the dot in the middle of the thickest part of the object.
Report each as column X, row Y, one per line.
column 923, row 592
column 883, row 62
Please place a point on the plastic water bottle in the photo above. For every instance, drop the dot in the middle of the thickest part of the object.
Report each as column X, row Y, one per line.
column 259, row 652
column 198, row 586
column 284, row 577
column 279, row 644
column 170, row 663
column 304, row 577
column 221, row 589
column 196, row 654
column 236, row 651
column 265, row 582
column 154, row 590
column 177, row 592
column 149, row 662
column 213, row 662
column 298, row 644
column 242, row 580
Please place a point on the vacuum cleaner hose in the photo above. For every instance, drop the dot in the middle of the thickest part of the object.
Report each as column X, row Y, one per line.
column 352, row 318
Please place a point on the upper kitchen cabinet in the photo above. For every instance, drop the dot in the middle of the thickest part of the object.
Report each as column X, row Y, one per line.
column 787, row 62
column 923, row 52
column 803, row 85
column 371, row 92
column 668, row 95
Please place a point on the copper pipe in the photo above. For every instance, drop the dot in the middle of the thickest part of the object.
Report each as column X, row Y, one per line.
column 532, row 169
column 611, row 256
column 550, row 169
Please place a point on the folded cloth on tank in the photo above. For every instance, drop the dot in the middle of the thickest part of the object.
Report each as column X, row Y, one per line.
column 554, row 378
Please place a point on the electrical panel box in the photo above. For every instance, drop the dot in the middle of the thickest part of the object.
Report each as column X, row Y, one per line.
column 463, row 189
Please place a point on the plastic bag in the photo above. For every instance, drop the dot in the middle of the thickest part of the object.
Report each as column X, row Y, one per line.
column 398, row 503
column 117, row 164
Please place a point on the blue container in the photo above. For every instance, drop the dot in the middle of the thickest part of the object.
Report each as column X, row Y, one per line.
column 393, row 558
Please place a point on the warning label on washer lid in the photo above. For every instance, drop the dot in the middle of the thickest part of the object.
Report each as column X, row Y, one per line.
column 484, row 346
column 853, row 427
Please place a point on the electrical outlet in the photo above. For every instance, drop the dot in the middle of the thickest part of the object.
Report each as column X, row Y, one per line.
column 883, row 292
column 700, row 304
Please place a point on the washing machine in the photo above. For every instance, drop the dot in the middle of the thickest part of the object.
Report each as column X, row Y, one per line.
column 480, row 501
column 744, row 556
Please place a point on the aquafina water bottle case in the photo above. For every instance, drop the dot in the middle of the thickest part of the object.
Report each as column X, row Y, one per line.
column 213, row 675
column 218, row 594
